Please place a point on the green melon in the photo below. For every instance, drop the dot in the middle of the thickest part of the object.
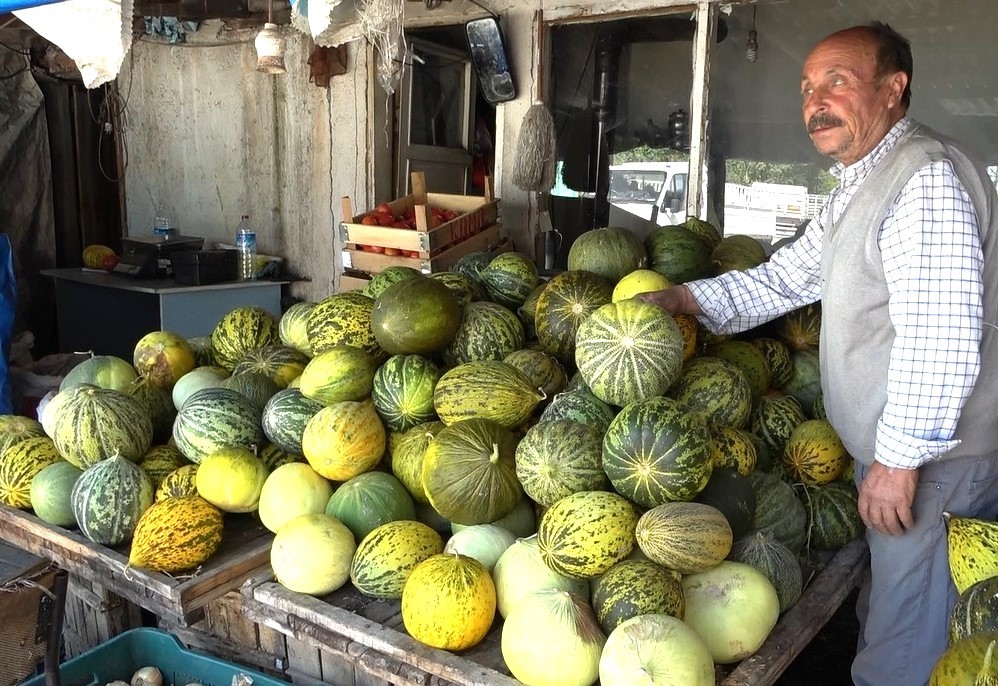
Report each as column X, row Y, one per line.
column 469, row 472
column 487, row 389
column 655, row 451
column 971, row 661
column 14, row 428
column 733, row 495
column 488, row 331
column 279, row 363
column 108, row 499
column 557, row 458
column 629, row 350
column 636, row 587
column 737, row 252
column 158, row 403
column 241, row 330
column 343, row 319
column 292, row 327
column 778, row 511
column 342, row 372
column 678, row 254
column 749, row 359
column 774, row 418
column 775, row 560
column 204, row 356
column 567, row 301
column 582, row 406
column 386, row 557
column 369, row 500
column 402, row 391
column 975, row 612
column 703, row 230
column 801, row 328
column 51, row 494
column 417, row 316
column 161, row 460
column 612, row 253
column 527, row 312
column 195, row 380
column 509, row 278
column 833, row 515
column 406, row 454
column 583, row 535
column 686, row 537
column 463, row 288
column 254, row 386
column 715, row 390
column 285, row 417
column 387, row 277
column 216, row 418
column 20, row 462
column 103, row 371
column 805, row 384
column 777, row 354
column 96, row 423
column 543, row 370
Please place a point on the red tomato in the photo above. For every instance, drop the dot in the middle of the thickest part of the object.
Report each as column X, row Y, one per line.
column 384, row 219
column 412, row 253
column 384, row 208
column 393, row 251
column 109, row 263
column 400, row 225
column 376, row 249
column 369, row 220
column 409, row 213
column 437, row 211
column 449, row 214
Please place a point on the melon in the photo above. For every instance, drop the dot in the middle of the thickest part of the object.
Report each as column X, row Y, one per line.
column 636, row 587
column 240, row 331
column 564, row 304
column 292, row 490
column 196, row 380
column 639, row 281
column 449, row 602
column 678, row 254
column 387, row 555
column 344, row 439
column 509, row 278
column 108, row 498
column 163, row 357
column 231, row 479
column 521, row 571
column 369, row 500
column 483, row 542
column 656, row 650
column 103, row 371
column 418, row 315
column 584, row 534
column 292, row 329
column 557, row 458
column 50, row 493
column 311, row 554
column 612, row 253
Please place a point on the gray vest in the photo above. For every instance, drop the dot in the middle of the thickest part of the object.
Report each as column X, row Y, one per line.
column 856, row 330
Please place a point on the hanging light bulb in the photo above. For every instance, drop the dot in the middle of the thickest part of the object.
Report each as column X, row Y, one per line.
column 752, row 47
column 270, row 45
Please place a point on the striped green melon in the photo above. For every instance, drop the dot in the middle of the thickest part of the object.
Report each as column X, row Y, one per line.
column 487, row 389
column 469, row 472
column 583, row 535
column 292, row 328
column 818, row 409
column 567, row 301
column 509, row 278
column 734, row 496
column 285, row 417
column 161, row 460
column 51, row 493
column 801, row 328
column 19, row 464
column 158, row 404
column 407, row 458
column 461, row 286
column 805, row 384
column 703, row 230
column 488, row 331
column 204, row 356
column 734, row 448
column 344, row 439
column 971, row 661
column 777, row 354
column 273, row 457
column 749, row 360
column 778, row 511
column 103, row 371
column 108, row 499
column 976, row 610
column 343, row 319
column 557, row 458
column 715, row 390
column 636, row 587
column 279, row 363
column 216, row 418
column 543, row 370
column 527, row 312
column 656, row 451
column 178, row 483
column 241, row 330
column 369, row 500
column 418, row 316
column 96, row 423
column 14, row 428
column 389, row 276
column 773, row 419
column 254, row 386
column 521, row 520
column 775, row 560
column 833, row 515
column 678, row 254
column 737, row 252
column 814, row 454
column 176, row 535
column 402, row 391
column 629, row 350
column 472, row 264
column 342, row 372
column 611, row 253
column 686, row 537
column 387, row 555
column 580, row 405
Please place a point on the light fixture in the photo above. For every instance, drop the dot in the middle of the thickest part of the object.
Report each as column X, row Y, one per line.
column 752, row 47
column 270, row 45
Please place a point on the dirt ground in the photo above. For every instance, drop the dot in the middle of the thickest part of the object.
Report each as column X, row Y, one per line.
column 826, row 659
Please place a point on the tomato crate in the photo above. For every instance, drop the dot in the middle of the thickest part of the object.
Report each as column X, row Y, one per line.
column 426, row 231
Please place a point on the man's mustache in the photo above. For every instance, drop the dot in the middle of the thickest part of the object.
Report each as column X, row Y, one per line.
column 822, row 121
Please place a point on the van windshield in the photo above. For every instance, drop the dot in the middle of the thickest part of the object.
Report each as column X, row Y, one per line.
column 636, row 186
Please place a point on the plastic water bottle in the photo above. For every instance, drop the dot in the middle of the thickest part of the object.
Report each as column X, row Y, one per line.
column 246, row 245
column 161, row 227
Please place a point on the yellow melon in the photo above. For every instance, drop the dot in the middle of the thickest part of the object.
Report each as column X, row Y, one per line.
column 449, row 601
column 639, row 281
column 164, row 357
column 231, row 479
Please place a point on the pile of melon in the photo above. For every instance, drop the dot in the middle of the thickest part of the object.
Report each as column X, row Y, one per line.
column 552, row 459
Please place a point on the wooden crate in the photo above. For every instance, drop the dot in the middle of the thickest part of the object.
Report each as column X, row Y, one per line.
column 94, row 615
column 438, row 246
column 353, row 282
column 370, row 632
column 245, row 550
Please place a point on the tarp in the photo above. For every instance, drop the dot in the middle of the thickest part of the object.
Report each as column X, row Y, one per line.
column 26, row 212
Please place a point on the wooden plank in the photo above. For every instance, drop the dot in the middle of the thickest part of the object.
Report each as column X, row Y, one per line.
column 245, row 549
column 704, row 44
column 804, row 620
column 304, row 610
column 93, row 615
column 372, row 263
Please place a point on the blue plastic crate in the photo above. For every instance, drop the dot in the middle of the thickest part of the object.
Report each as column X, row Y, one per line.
column 119, row 657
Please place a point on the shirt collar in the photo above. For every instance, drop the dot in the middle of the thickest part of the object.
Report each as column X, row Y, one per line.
column 862, row 167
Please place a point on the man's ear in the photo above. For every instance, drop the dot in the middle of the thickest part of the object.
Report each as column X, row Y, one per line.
column 896, row 83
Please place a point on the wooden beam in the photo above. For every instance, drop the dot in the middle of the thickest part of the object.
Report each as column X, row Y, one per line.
column 703, row 46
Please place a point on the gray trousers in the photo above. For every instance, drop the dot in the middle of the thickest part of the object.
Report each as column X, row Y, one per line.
column 905, row 604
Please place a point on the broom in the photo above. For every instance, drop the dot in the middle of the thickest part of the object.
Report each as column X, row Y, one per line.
column 533, row 168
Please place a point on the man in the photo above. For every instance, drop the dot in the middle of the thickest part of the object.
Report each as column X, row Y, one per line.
column 904, row 262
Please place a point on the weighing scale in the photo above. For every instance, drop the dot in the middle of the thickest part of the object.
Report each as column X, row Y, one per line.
column 148, row 257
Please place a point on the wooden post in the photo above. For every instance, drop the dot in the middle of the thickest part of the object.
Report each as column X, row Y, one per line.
column 703, row 46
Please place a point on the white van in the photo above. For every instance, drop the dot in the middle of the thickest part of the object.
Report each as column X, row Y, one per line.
column 647, row 194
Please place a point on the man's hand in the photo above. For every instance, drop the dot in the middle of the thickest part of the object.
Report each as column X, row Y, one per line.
column 674, row 300
column 885, row 499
